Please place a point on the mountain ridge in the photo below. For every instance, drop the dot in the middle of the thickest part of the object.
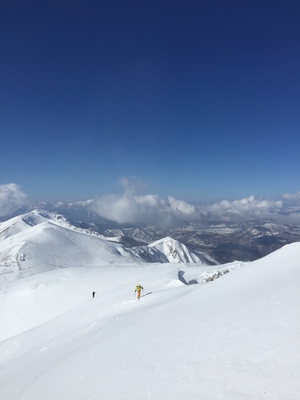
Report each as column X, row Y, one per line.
column 225, row 241
column 36, row 242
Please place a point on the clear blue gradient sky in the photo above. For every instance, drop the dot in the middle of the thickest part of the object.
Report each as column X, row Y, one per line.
column 198, row 99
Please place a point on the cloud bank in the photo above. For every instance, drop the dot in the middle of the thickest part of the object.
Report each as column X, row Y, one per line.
column 148, row 209
column 12, row 198
column 153, row 210
column 136, row 209
column 132, row 208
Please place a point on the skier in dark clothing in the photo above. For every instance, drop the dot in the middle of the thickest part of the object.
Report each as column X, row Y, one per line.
column 93, row 294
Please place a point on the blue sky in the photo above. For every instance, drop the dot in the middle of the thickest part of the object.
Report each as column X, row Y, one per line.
column 199, row 100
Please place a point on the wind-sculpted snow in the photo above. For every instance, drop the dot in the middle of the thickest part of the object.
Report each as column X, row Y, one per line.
column 209, row 275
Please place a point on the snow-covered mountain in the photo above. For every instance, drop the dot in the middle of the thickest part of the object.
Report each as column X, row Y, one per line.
column 38, row 241
column 223, row 241
column 234, row 338
column 178, row 252
column 23, row 222
column 170, row 250
column 226, row 242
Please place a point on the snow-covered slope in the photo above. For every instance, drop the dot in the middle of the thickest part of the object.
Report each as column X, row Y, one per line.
column 178, row 252
column 26, row 221
column 47, row 246
column 236, row 338
column 21, row 223
column 168, row 250
column 37, row 242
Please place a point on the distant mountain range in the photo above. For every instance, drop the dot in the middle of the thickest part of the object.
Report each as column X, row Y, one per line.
column 247, row 241
column 40, row 241
column 224, row 242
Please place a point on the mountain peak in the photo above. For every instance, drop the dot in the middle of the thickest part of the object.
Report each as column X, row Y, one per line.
column 40, row 241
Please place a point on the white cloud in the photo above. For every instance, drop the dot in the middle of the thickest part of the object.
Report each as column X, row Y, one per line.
column 152, row 209
column 121, row 209
column 148, row 209
column 12, row 198
column 292, row 198
column 182, row 207
column 249, row 207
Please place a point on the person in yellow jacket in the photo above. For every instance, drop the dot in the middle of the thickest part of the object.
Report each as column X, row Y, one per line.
column 138, row 290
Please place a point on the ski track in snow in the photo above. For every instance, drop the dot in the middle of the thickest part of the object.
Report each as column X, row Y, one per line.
column 68, row 354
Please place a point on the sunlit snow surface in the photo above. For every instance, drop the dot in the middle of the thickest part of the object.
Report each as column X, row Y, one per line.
column 233, row 338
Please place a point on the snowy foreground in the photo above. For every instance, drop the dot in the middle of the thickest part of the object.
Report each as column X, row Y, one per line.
column 236, row 337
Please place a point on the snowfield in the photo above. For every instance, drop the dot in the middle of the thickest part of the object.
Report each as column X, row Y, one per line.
column 190, row 335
